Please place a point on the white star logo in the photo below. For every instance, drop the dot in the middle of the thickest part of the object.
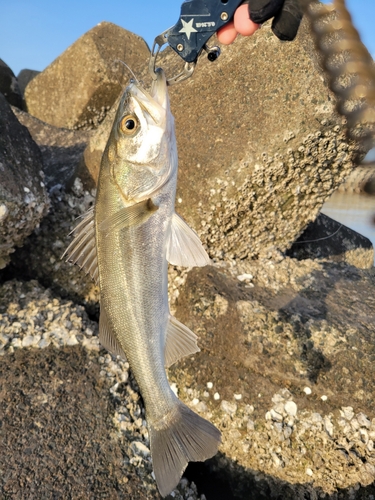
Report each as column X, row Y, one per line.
column 187, row 28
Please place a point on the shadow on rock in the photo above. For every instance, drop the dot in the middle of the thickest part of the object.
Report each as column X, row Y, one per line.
column 223, row 479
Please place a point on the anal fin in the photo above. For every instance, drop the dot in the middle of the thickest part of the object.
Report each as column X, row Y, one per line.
column 180, row 342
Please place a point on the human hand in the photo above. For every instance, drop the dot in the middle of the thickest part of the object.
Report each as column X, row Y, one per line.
column 287, row 16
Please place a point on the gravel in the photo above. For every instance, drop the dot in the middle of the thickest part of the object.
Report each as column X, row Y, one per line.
column 33, row 318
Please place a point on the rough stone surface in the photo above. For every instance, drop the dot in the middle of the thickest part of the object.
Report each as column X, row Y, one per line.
column 260, row 146
column 23, row 198
column 84, row 81
column 327, row 239
column 24, row 77
column 97, row 143
column 62, row 150
column 63, row 407
column 9, row 85
column 40, row 256
column 294, row 325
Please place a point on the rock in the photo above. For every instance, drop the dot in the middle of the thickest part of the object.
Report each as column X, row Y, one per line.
column 97, row 143
column 40, row 256
column 84, row 82
column 64, row 409
column 260, row 146
column 269, row 155
column 303, row 323
column 62, row 151
column 325, row 238
column 23, row 198
column 24, row 77
column 9, row 85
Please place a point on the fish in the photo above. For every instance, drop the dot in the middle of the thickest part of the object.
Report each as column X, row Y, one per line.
column 125, row 243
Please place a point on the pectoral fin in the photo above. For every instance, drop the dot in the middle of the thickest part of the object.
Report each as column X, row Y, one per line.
column 180, row 342
column 184, row 247
column 82, row 250
column 129, row 216
column 106, row 337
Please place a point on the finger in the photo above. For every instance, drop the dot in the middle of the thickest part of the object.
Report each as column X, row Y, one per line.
column 285, row 24
column 227, row 34
column 262, row 10
column 242, row 22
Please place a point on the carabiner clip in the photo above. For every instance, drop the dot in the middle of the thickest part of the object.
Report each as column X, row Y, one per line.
column 159, row 41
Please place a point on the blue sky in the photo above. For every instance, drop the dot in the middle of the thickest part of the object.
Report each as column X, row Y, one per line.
column 34, row 32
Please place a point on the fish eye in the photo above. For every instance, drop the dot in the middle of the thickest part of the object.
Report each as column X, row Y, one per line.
column 129, row 125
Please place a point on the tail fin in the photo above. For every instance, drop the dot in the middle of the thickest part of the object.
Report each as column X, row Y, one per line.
column 181, row 437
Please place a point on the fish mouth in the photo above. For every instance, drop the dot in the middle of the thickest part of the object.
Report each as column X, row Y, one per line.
column 155, row 102
column 159, row 88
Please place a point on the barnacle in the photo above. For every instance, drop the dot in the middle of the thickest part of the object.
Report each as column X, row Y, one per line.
column 349, row 66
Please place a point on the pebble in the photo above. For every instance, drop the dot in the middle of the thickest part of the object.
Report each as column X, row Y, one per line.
column 328, row 426
column 309, row 472
column 363, row 420
column 210, row 385
column 276, row 416
column 347, row 412
column 324, row 398
column 245, row 277
column 228, row 408
column 3, row 212
column 30, row 340
column 16, row 342
column 249, row 409
column 276, row 460
column 250, row 425
column 237, row 396
column 364, row 435
column 287, row 431
column 279, row 408
column 316, row 418
column 201, row 407
column 140, row 449
column 307, row 391
column 355, row 424
column 216, row 396
column 291, row 408
column 72, row 341
column 43, row 343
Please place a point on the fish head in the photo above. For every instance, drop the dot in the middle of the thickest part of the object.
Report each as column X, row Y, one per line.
column 142, row 150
